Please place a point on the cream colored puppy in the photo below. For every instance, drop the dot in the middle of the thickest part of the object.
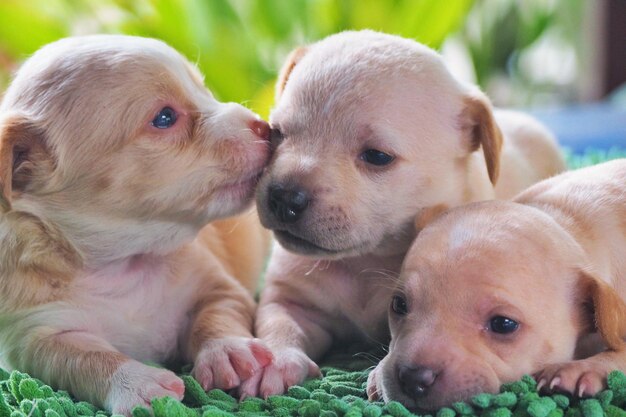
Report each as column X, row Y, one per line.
column 370, row 130
column 495, row 290
column 114, row 158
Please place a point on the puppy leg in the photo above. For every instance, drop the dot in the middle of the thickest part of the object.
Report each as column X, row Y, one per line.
column 585, row 377
column 221, row 343
column 293, row 332
column 92, row 369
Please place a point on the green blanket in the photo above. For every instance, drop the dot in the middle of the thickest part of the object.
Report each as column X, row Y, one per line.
column 340, row 393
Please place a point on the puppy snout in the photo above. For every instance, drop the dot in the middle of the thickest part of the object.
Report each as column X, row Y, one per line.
column 287, row 204
column 260, row 128
column 416, row 381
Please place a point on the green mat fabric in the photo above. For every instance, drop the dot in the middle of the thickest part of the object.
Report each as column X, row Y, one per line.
column 340, row 393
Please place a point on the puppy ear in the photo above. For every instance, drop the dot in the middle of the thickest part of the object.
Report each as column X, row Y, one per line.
column 479, row 125
column 294, row 57
column 21, row 145
column 606, row 309
column 427, row 215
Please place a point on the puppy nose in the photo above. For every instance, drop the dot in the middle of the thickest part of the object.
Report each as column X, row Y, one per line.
column 287, row 204
column 260, row 128
column 415, row 381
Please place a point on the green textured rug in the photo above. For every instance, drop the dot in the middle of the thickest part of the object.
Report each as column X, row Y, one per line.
column 340, row 393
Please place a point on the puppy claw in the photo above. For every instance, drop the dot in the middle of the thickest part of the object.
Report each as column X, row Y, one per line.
column 555, row 383
column 541, row 384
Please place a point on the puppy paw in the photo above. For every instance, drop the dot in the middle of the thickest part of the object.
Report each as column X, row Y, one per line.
column 290, row 366
column 224, row 363
column 583, row 378
column 373, row 392
column 135, row 384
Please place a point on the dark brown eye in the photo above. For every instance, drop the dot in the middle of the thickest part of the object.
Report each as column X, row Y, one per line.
column 503, row 325
column 376, row 157
column 399, row 305
column 276, row 137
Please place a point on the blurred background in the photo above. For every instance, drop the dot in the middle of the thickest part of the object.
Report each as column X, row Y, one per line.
column 564, row 60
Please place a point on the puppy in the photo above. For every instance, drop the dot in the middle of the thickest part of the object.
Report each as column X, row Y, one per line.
column 495, row 290
column 114, row 158
column 370, row 130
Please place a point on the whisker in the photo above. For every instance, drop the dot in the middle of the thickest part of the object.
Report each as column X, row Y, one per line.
column 313, row 269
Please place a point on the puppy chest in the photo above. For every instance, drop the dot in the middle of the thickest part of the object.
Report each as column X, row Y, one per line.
column 365, row 305
column 141, row 314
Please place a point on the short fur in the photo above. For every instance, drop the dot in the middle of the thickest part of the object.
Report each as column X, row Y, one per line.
column 106, row 258
column 331, row 278
column 553, row 260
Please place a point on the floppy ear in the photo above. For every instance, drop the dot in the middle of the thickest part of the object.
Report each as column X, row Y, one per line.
column 294, row 57
column 479, row 125
column 21, row 146
column 427, row 215
column 607, row 308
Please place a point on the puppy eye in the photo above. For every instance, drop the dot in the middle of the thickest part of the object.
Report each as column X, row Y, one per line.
column 165, row 118
column 276, row 137
column 376, row 157
column 398, row 305
column 503, row 325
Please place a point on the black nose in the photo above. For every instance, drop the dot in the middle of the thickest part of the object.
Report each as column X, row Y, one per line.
column 415, row 381
column 287, row 204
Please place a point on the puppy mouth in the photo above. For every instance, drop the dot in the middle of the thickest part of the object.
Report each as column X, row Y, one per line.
column 299, row 244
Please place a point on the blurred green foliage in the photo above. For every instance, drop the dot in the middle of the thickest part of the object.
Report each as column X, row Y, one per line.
column 500, row 34
column 238, row 44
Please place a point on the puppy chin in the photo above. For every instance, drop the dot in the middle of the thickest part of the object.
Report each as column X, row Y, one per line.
column 309, row 247
column 232, row 198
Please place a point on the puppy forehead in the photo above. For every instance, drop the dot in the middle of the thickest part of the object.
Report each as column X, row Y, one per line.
column 491, row 241
column 353, row 78
column 101, row 62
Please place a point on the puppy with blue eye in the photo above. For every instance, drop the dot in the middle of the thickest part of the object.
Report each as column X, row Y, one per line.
column 116, row 164
column 494, row 290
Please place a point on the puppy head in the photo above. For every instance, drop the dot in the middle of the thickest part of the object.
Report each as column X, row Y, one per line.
column 120, row 129
column 368, row 129
column 490, row 292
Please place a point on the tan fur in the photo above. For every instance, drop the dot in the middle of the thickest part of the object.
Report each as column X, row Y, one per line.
column 329, row 280
column 478, row 119
column 291, row 61
column 552, row 260
column 108, row 258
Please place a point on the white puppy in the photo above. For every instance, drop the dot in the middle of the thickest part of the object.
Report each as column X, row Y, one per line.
column 370, row 130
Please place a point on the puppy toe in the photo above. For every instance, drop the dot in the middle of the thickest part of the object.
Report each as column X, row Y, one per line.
column 272, row 382
column 590, row 383
column 244, row 362
column 262, row 353
column 224, row 376
column 250, row 387
column 173, row 385
column 204, row 376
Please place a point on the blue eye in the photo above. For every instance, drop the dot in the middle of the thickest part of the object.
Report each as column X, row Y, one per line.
column 376, row 157
column 503, row 325
column 165, row 118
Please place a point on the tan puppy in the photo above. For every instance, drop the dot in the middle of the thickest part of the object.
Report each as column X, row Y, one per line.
column 370, row 130
column 113, row 158
column 495, row 290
